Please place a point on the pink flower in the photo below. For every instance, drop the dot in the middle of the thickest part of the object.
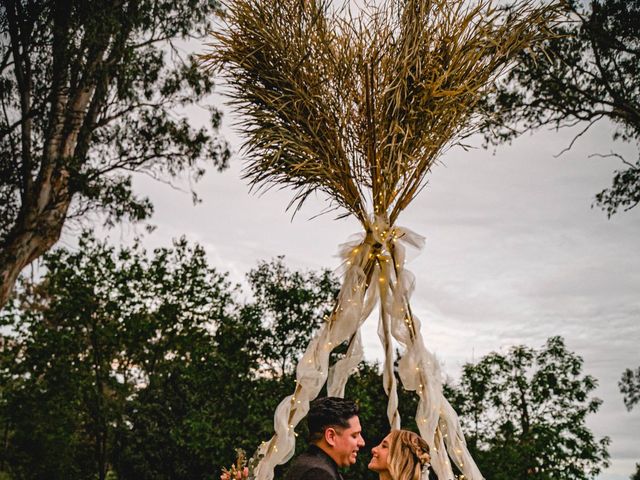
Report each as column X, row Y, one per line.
column 245, row 472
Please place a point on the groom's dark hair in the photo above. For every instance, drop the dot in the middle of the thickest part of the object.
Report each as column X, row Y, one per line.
column 325, row 412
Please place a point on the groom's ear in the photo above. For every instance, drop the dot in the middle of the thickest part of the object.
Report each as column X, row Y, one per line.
column 330, row 435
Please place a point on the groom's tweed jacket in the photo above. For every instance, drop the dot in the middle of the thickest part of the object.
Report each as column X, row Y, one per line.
column 313, row 464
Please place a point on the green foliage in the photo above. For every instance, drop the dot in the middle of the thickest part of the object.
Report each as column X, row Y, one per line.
column 128, row 58
column 292, row 305
column 636, row 475
column 524, row 415
column 630, row 387
column 109, row 340
column 591, row 72
column 92, row 94
column 129, row 365
column 145, row 365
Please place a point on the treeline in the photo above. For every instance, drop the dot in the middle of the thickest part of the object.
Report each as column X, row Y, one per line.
column 124, row 364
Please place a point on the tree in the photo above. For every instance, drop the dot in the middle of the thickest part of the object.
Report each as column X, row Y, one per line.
column 629, row 386
column 109, row 340
column 292, row 305
column 92, row 92
column 146, row 365
column 524, row 415
column 591, row 73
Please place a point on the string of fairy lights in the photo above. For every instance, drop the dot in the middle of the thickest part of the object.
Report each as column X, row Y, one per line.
column 380, row 259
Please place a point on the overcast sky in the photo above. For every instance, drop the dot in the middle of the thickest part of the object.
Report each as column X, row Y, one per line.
column 514, row 255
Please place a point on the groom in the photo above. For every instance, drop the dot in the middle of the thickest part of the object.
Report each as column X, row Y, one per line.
column 335, row 436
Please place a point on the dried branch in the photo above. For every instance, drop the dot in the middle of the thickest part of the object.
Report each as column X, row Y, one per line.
column 361, row 106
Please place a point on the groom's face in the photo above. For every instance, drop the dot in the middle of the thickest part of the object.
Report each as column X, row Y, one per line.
column 347, row 442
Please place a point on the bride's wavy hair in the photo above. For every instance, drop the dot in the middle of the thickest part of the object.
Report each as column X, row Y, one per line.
column 408, row 455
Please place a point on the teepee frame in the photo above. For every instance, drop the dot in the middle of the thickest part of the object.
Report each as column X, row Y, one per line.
column 360, row 106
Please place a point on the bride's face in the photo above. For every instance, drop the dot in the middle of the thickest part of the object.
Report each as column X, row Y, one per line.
column 379, row 456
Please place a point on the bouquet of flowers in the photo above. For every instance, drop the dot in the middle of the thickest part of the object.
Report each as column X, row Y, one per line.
column 242, row 469
column 237, row 471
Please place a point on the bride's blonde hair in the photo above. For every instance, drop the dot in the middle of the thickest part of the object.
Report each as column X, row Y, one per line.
column 408, row 455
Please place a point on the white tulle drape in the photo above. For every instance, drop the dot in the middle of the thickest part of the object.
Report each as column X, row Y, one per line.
column 374, row 276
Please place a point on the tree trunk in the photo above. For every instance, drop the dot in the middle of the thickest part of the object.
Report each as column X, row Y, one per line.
column 45, row 206
column 35, row 232
column 46, row 198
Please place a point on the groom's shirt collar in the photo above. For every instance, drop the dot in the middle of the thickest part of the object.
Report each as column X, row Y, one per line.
column 318, row 452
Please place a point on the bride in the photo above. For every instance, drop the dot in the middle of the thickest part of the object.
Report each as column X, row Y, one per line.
column 402, row 455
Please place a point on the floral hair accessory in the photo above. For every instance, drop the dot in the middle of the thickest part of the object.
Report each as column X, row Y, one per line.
column 422, row 455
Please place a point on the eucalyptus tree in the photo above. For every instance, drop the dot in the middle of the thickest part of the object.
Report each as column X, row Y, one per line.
column 92, row 92
column 590, row 76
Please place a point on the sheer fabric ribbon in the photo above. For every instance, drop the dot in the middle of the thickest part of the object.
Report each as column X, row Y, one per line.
column 374, row 275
